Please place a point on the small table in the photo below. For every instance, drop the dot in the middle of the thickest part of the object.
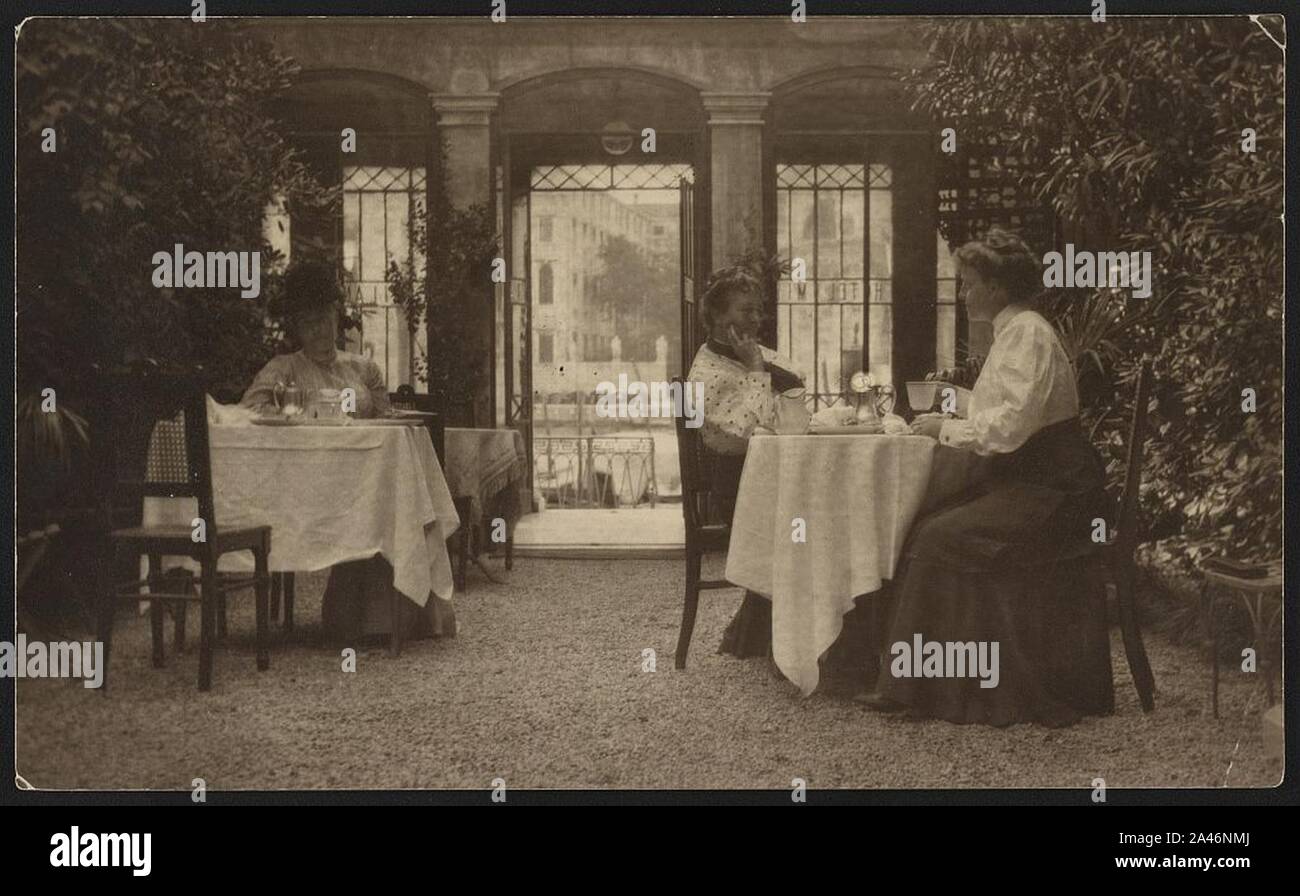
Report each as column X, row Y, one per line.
column 333, row 494
column 485, row 471
column 853, row 499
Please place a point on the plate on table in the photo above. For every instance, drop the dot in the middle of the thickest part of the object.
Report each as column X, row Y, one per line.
column 846, row 430
column 412, row 415
column 278, row 421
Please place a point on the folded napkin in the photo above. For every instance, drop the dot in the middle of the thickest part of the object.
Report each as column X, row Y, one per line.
column 895, row 425
column 228, row 414
column 837, row 415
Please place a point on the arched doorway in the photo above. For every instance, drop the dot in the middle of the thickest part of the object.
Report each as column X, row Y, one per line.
column 383, row 178
column 850, row 193
column 595, row 203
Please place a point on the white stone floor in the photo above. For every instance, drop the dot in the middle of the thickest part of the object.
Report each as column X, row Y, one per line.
column 640, row 532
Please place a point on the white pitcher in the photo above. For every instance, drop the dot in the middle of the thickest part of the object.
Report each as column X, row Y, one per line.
column 792, row 414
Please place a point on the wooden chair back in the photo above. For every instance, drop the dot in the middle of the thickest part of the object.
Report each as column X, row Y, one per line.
column 407, row 399
column 693, row 461
column 149, row 438
column 1126, row 534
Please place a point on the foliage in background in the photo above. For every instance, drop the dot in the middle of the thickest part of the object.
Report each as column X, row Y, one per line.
column 162, row 138
column 642, row 292
column 1132, row 131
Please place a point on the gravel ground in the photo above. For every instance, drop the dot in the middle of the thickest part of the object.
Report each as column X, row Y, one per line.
column 544, row 687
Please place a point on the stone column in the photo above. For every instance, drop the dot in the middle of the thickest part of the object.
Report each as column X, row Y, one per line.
column 735, row 172
column 465, row 123
column 465, row 126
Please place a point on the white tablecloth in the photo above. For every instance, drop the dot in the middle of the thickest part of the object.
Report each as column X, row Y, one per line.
column 330, row 495
column 483, row 463
column 857, row 496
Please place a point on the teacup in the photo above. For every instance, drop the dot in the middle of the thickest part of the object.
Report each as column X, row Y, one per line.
column 920, row 394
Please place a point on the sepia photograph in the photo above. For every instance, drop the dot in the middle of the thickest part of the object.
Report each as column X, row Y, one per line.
column 759, row 400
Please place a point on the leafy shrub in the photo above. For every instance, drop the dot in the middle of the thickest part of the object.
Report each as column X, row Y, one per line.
column 1132, row 132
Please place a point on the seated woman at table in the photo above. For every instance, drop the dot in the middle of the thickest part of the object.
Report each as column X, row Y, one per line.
column 311, row 305
column 357, row 597
column 1007, row 566
column 741, row 379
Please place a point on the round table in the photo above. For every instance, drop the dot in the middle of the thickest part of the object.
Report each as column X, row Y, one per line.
column 821, row 519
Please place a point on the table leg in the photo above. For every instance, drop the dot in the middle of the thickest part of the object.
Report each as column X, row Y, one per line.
column 288, row 601
column 156, row 609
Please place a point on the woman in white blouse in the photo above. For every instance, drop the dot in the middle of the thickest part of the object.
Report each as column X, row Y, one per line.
column 1008, row 565
column 740, row 378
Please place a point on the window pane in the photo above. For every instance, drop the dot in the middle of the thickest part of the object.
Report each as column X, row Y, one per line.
column 882, row 233
column 828, row 234
column 802, row 224
column 828, row 349
column 397, row 207
column 372, row 241
column 352, row 233
column 852, row 339
column 854, row 213
column 880, row 351
column 801, row 336
column 945, row 337
column 783, row 224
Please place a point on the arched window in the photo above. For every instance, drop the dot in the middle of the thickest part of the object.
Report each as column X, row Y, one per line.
column 546, row 285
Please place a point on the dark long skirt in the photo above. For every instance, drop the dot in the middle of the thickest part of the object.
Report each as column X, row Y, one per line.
column 1011, row 565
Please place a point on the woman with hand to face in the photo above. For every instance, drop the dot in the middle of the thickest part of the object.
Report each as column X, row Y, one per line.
column 1009, row 565
column 741, row 379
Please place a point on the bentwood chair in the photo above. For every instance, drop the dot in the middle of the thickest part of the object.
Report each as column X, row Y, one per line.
column 137, row 405
column 1256, row 584
column 702, row 535
column 1115, row 557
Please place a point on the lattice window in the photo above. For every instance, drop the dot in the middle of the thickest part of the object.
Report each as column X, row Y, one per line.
column 609, row 177
column 979, row 187
column 838, row 221
column 378, row 202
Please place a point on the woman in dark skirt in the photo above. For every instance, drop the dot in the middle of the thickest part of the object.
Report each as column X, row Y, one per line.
column 1008, row 566
column 741, row 379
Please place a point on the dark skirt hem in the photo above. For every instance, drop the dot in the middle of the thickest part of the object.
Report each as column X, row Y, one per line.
column 1053, row 642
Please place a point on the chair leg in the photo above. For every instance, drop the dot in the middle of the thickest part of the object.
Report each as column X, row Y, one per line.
column 179, row 610
column 261, row 586
column 276, row 583
column 288, row 601
column 106, row 599
column 1207, row 610
column 463, row 556
column 156, row 602
column 510, row 550
column 207, row 625
column 690, row 606
column 395, row 639
column 1138, row 663
column 221, row 616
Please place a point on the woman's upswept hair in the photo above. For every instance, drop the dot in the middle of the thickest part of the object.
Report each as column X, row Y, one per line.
column 724, row 284
column 1003, row 257
column 309, row 285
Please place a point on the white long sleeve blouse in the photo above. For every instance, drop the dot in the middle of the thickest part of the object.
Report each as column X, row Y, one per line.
column 1027, row 383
